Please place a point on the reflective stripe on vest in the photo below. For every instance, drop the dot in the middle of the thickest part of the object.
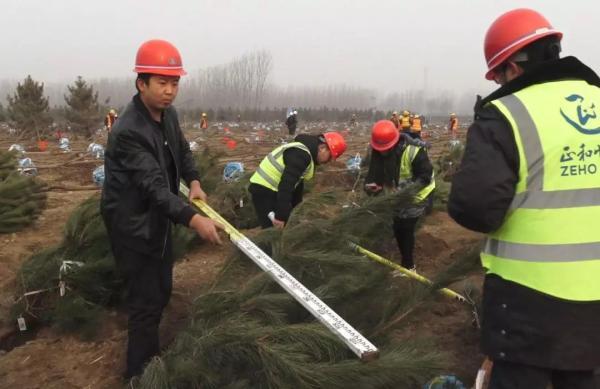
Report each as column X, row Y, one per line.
column 548, row 240
column 406, row 160
column 270, row 170
column 416, row 124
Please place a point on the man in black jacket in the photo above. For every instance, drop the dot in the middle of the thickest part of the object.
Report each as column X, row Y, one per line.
column 145, row 158
column 395, row 163
column 292, row 122
column 278, row 183
column 541, row 303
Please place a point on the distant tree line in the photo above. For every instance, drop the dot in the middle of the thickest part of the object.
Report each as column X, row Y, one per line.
column 238, row 90
column 340, row 116
column 308, row 114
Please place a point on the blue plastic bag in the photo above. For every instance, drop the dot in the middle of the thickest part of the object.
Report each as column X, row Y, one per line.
column 98, row 175
column 233, row 171
column 445, row 382
column 353, row 163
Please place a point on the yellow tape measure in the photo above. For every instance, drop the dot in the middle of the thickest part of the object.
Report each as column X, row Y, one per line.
column 364, row 349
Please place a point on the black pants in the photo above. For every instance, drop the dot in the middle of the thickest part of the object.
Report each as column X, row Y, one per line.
column 264, row 202
column 149, row 281
column 292, row 130
column 404, row 231
column 507, row 375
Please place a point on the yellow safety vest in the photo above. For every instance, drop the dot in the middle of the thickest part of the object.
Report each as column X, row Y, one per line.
column 406, row 160
column 416, row 125
column 550, row 240
column 268, row 173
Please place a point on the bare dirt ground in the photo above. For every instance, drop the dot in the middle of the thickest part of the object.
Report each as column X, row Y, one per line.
column 51, row 360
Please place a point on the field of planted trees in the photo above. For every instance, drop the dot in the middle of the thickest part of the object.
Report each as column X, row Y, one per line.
column 228, row 324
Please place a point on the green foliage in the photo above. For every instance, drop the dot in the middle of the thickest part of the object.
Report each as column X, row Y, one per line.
column 440, row 194
column 247, row 332
column 449, row 162
column 22, row 198
column 233, row 201
column 207, row 164
column 8, row 164
column 83, row 110
column 28, row 107
column 88, row 271
column 230, row 199
column 75, row 314
column 156, row 378
column 446, row 166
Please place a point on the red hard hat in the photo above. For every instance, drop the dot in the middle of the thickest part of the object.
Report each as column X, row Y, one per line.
column 336, row 143
column 511, row 32
column 231, row 144
column 384, row 135
column 159, row 57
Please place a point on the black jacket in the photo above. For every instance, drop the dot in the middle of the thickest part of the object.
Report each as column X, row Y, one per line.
column 296, row 162
column 519, row 324
column 291, row 122
column 139, row 197
column 384, row 170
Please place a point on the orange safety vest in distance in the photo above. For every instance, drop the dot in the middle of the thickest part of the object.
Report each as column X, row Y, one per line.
column 454, row 124
column 109, row 121
column 416, row 125
column 405, row 121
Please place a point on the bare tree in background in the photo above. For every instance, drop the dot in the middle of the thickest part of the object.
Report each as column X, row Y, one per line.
column 263, row 65
column 240, row 83
column 243, row 83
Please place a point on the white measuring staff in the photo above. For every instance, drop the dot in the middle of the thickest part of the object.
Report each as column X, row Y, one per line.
column 358, row 344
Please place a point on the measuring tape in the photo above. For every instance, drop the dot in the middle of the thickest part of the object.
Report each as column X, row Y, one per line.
column 364, row 349
column 403, row 270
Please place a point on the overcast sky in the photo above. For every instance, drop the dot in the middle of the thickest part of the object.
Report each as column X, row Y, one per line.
column 380, row 44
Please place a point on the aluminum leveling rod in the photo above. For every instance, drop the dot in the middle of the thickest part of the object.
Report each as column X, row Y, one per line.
column 365, row 350
column 405, row 271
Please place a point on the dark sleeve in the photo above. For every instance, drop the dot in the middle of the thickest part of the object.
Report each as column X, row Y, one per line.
column 298, row 194
column 375, row 174
column 484, row 185
column 366, row 161
column 146, row 175
column 296, row 161
column 189, row 172
column 422, row 168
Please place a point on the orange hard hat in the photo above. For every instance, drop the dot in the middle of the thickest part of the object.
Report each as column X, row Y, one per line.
column 511, row 32
column 158, row 57
column 384, row 135
column 336, row 143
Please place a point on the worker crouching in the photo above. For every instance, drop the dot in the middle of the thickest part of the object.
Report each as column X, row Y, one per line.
column 278, row 183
